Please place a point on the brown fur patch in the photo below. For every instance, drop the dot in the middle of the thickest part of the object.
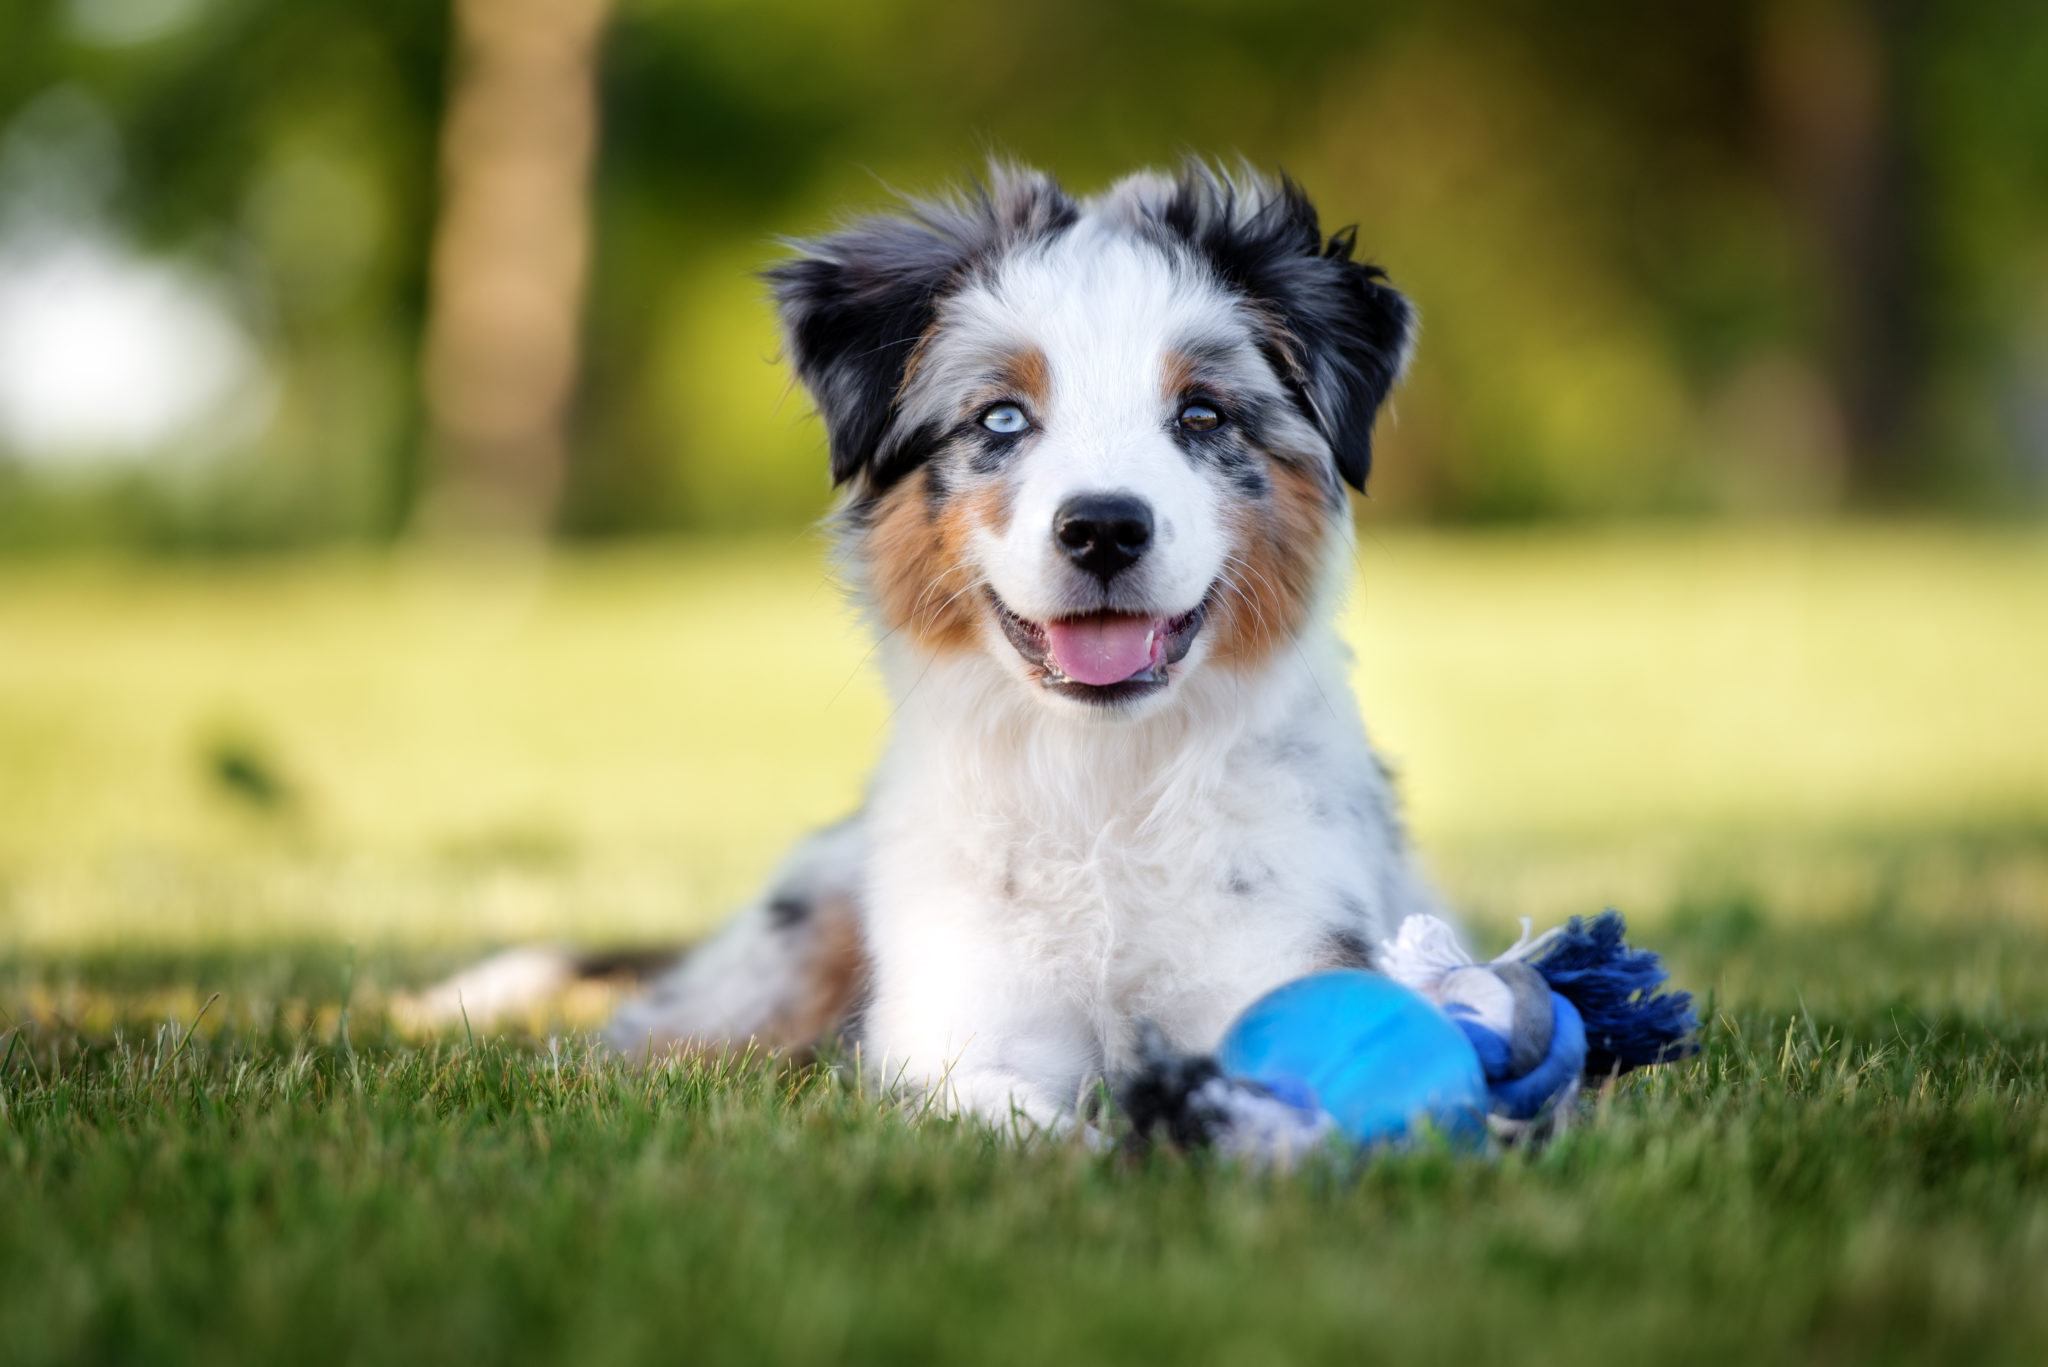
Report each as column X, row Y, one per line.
column 836, row 978
column 1026, row 374
column 1276, row 554
column 1177, row 373
column 917, row 564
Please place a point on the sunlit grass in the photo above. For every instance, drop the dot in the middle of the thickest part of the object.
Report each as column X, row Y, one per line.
column 615, row 745
column 267, row 797
column 1857, row 1178
column 1753, row 680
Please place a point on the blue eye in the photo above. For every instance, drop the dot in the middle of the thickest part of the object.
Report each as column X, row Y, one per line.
column 1006, row 419
column 1199, row 417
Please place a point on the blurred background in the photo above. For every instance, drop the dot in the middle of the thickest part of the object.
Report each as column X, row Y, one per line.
column 278, row 272
column 391, row 429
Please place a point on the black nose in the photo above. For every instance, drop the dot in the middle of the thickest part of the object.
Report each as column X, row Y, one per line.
column 1103, row 533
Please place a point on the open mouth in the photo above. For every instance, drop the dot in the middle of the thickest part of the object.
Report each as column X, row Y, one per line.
column 1103, row 657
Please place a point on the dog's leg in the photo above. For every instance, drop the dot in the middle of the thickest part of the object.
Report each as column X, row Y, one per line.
column 785, row 972
column 972, row 1079
column 963, row 1025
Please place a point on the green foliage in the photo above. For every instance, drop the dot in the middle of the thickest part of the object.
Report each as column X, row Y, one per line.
column 285, row 152
column 1764, row 257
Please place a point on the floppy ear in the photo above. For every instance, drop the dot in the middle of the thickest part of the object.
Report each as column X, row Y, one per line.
column 1339, row 335
column 855, row 305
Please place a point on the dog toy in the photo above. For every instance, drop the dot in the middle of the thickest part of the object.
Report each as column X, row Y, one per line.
column 1436, row 1040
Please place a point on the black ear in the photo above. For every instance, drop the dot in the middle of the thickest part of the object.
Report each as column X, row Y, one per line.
column 856, row 304
column 1340, row 335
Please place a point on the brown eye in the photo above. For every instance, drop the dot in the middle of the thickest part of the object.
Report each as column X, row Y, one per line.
column 1199, row 417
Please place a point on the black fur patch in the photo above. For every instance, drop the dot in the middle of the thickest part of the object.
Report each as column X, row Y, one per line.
column 1340, row 334
column 988, row 452
column 639, row 966
column 937, row 489
column 1159, row 1098
column 1232, row 451
column 856, row 304
column 1348, row 949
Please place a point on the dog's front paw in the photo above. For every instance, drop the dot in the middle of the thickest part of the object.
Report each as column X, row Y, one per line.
column 1187, row 1100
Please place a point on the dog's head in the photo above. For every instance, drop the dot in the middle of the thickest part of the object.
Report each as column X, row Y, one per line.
column 1105, row 441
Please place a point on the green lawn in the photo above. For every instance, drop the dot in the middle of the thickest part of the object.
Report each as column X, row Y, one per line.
column 1811, row 766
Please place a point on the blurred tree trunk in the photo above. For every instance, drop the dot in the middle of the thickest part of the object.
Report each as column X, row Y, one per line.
column 1836, row 121
column 509, row 258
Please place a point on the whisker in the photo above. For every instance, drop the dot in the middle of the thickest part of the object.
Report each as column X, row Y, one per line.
column 1267, row 636
column 1244, row 599
column 939, row 581
column 1266, row 632
column 972, row 584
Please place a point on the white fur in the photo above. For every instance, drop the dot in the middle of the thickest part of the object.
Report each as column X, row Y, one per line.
column 510, row 981
column 1105, row 311
column 1038, row 883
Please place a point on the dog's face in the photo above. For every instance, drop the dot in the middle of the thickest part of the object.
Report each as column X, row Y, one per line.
column 1104, row 442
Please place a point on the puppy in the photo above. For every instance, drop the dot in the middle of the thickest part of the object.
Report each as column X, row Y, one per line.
column 1093, row 458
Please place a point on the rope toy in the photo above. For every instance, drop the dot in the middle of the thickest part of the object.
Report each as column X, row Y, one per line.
column 1435, row 1041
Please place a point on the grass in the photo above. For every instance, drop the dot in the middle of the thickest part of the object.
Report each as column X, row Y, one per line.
column 1863, row 1181
column 1812, row 768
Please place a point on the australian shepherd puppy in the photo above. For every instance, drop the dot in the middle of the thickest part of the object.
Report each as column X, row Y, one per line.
column 1093, row 458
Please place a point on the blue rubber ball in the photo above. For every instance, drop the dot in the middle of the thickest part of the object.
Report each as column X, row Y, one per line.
column 1379, row 1057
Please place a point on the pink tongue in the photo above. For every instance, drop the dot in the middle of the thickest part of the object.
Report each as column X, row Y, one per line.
column 1105, row 650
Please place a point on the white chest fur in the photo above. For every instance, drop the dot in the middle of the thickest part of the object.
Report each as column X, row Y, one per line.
column 1039, row 884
